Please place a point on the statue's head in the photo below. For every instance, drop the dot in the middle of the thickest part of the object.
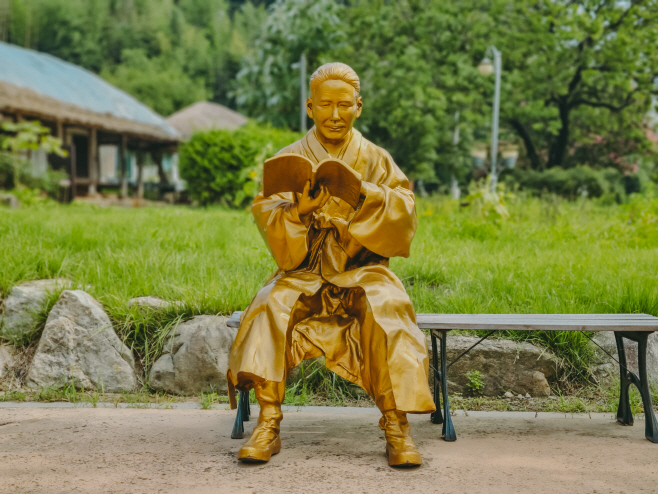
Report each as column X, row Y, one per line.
column 335, row 102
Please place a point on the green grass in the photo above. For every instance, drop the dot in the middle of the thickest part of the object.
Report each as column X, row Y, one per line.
column 550, row 256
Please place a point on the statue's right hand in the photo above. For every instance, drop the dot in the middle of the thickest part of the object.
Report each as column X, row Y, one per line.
column 308, row 204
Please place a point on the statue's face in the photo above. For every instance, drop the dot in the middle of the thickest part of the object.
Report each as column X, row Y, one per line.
column 334, row 106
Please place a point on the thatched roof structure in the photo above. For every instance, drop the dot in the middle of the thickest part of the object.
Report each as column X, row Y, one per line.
column 205, row 115
column 42, row 86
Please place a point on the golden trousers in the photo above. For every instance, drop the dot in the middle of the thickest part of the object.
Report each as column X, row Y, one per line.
column 318, row 319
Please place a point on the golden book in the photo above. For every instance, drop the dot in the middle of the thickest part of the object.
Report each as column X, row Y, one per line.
column 289, row 172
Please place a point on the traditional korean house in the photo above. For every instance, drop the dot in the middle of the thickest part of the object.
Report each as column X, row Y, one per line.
column 205, row 115
column 113, row 140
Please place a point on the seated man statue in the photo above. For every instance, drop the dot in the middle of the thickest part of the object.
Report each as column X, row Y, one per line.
column 333, row 294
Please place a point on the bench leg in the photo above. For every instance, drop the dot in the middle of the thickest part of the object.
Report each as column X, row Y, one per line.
column 242, row 414
column 436, row 417
column 624, row 414
column 448, row 432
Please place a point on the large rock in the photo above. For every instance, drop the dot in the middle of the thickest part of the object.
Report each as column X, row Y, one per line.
column 9, row 200
column 79, row 344
column 23, row 304
column 6, row 360
column 504, row 365
column 606, row 370
column 195, row 358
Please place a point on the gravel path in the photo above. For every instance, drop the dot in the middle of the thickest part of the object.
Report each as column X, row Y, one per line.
column 124, row 450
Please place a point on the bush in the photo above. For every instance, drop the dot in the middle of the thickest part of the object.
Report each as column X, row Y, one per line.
column 570, row 183
column 225, row 167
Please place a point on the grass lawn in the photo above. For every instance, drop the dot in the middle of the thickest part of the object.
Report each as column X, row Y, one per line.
column 550, row 256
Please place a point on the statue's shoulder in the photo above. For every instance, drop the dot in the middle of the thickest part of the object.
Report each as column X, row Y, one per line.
column 380, row 159
column 296, row 147
column 375, row 151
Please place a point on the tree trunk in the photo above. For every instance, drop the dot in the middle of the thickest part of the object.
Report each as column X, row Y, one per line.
column 535, row 160
column 559, row 148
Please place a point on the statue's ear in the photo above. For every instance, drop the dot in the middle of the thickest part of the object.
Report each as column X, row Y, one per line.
column 359, row 106
column 309, row 108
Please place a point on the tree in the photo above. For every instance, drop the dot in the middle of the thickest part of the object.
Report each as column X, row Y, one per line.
column 267, row 86
column 591, row 63
column 167, row 53
column 415, row 61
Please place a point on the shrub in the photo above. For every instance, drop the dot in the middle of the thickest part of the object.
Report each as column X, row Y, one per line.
column 224, row 167
column 570, row 183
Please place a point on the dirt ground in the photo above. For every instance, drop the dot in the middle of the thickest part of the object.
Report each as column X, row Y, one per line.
column 115, row 450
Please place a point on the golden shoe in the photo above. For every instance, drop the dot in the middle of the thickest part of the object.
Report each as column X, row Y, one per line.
column 400, row 448
column 265, row 441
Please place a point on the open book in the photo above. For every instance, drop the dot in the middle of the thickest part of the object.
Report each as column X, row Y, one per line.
column 289, row 172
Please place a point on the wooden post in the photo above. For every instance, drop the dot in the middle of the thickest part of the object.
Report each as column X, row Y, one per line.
column 140, row 175
column 94, row 171
column 123, row 165
column 60, row 130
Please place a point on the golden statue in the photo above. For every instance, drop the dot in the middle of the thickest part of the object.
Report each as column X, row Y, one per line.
column 333, row 294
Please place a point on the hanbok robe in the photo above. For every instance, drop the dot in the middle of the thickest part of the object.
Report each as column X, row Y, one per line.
column 334, row 294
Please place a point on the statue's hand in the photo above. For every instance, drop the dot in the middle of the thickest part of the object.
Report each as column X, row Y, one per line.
column 308, row 204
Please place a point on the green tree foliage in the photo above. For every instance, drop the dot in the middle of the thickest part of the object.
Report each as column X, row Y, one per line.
column 268, row 85
column 167, row 53
column 225, row 167
column 415, row 62
column 578, row 77
column 576, row 72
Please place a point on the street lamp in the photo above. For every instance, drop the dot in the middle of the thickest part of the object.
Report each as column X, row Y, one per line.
column 486, row 68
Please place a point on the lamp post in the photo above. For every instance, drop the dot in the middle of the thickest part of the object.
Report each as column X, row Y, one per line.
column 302, row 76
column 486, row 68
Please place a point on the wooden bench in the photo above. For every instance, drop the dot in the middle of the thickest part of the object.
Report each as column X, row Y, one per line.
column 635, row 327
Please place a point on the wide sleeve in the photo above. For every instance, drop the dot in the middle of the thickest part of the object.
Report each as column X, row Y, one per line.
column 386, row 221
column 282, row 229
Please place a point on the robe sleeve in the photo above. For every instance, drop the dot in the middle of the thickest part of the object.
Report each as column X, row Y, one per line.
column 282, row 229
column 386, row 221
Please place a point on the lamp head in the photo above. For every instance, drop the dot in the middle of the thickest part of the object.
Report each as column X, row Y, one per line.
column 485, row 67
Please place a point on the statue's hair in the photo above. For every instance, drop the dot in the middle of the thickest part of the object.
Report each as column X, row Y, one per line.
column 335, row 71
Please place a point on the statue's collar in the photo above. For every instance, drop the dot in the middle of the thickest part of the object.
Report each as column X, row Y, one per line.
column 349, row 152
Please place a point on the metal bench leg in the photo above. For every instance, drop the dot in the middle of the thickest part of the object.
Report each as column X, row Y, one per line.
column 436, row 417
column 448, row 432
column 650, row 424
column 624, row 414
column 244, row 403
column 242, row 414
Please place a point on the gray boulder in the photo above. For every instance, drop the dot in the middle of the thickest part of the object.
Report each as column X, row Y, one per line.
column 9, row 200
column 6, row 360
column 79, row 344
column 153, row 303
column 195, row 357
column 504, row 366
column 24, row 303
column 606, row 370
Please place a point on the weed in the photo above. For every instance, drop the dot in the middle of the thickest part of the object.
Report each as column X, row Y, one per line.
column 208, row 400
column 13, row 396
column 475, row 383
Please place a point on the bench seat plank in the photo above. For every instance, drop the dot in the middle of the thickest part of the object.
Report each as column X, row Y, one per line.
column 540, row 322
column 527, row 322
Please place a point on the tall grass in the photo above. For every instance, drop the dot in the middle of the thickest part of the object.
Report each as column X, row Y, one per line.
column 550, row 256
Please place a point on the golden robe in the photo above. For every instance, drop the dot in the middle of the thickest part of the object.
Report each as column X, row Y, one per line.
column 334, row 294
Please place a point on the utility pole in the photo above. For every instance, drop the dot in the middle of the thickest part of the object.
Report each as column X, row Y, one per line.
column 486, row 68
column 454, row 185
column 302, row 83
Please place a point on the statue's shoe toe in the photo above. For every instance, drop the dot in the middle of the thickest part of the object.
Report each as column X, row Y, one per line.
column 258, row 454
column 403, row 459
